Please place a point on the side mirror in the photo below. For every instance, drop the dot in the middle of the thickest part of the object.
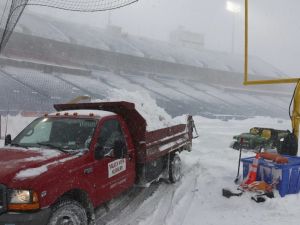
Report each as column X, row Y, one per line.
column 99, row 154
column 7, row 140
column 119, row 147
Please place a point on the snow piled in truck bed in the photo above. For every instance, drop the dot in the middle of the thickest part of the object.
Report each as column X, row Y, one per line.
column 156, row 117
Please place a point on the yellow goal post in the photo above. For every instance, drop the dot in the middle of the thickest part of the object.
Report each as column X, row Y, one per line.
column 246, row 62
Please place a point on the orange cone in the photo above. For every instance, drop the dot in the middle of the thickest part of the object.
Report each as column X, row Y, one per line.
column 251, row 177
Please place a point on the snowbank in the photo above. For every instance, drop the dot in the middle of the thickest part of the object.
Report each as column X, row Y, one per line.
column 15, row 124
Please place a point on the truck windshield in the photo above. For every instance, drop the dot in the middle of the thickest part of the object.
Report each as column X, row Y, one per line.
column 58, row 133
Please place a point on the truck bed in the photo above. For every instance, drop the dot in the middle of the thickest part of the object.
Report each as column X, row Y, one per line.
column 160, row 142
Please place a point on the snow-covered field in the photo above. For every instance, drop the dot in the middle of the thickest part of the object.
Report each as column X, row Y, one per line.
column 212, row 165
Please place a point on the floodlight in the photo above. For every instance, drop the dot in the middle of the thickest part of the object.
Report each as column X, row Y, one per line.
column 233, row 7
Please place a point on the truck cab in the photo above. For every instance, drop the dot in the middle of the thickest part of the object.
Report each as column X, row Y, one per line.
column 94, row 149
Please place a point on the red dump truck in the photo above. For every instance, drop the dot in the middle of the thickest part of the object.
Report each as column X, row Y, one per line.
column 65, row 164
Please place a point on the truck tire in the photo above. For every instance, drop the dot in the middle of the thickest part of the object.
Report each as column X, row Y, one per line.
column 174, row 168
column 68, row 212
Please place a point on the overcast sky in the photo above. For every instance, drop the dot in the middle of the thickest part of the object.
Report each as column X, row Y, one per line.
column 274, row 25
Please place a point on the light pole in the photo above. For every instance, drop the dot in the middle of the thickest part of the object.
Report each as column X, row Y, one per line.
column 234, row 8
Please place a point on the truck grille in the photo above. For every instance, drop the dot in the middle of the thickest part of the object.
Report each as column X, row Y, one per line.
column 2, row 199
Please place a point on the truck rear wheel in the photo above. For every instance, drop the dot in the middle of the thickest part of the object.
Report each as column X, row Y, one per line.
column 174, row 168
column 68, row 212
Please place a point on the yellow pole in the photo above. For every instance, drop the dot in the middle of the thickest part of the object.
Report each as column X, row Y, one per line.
column 246, row 43
column 296, row 111
column 278, row 81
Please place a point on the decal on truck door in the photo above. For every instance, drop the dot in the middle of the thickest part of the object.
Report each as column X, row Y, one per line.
column 116, row 167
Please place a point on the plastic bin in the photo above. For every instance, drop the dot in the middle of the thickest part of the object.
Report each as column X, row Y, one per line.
column 287, row 175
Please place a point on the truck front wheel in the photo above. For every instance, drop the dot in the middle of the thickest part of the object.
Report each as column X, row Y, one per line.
column 68, row 212
column 174, row 168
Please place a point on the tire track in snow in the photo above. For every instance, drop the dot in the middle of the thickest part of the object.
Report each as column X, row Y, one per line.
column 147, row 208
column 177, row 198
column 183, row 203
column 124, row 212
column 184, row 196
column 160, row 206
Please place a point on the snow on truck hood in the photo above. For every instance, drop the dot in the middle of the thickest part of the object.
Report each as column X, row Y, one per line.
column 20, row 163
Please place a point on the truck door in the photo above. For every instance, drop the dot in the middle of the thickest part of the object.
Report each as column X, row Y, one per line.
column 116, row 169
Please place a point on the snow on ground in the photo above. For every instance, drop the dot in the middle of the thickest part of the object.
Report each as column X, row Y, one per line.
column 212, row 166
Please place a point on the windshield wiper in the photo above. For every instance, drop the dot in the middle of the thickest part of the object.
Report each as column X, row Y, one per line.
column 52, row 146
column 18, row 145
column 80, row 151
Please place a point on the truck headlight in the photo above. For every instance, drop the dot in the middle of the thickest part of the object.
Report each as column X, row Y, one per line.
column 19, row 196
column 23, row 200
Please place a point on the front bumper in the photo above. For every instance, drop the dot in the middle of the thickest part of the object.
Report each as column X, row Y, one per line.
column 35, row 218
